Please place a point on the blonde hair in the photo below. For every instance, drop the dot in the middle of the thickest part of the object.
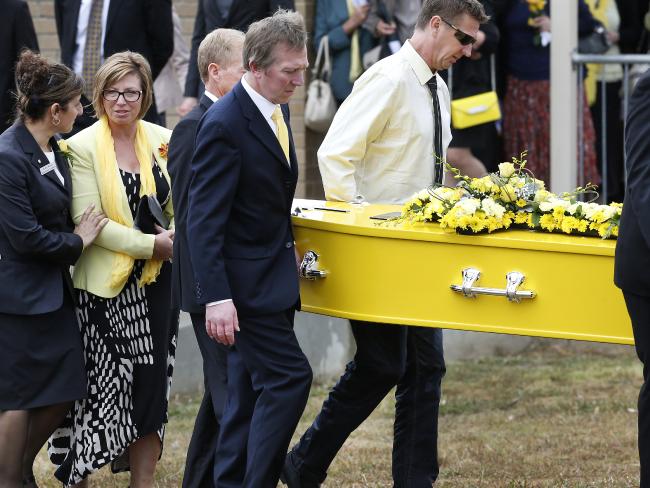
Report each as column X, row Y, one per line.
column 117, row 67
column 222, row 47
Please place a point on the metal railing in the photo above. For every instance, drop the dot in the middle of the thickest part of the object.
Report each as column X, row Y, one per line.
column 580, row 60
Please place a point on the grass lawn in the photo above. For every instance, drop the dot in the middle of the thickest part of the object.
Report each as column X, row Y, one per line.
column 557, row 416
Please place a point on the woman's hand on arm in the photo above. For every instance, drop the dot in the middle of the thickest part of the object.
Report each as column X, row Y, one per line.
column 90, row 225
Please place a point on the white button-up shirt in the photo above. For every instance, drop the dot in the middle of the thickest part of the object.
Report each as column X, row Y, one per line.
column 380, row 144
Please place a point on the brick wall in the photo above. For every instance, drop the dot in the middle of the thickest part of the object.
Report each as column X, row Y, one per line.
column 306, row 142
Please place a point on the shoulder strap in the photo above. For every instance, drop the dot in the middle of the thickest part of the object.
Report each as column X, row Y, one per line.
column 322, row 66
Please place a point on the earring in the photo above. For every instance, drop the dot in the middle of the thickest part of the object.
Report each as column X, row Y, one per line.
column 56, row 121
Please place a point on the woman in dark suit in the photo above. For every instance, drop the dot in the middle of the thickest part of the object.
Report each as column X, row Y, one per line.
column 41, row 357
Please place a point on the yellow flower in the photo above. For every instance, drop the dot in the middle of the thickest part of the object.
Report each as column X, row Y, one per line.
column 521, row 203
column 63, row 145
column 547, row 222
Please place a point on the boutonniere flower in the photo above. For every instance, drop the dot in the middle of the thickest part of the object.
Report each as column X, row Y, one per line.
column 64, row 151
column 163, row 149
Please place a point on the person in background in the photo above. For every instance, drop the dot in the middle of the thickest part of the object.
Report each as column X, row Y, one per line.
column 604, row 86
column 341, row 21
column 16, row 33
column 123, row 284
column 403, row 15
column 92, row 30
column 220, row 65
column 473, row 151
column 632, row 258
column 41, row 354
column 526, row 65
column 168, row 86
column 385, row 143
column 212, row 14
column 245, row 260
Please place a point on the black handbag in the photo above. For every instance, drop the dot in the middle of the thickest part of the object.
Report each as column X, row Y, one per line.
column 594, row 43
column 149, row 214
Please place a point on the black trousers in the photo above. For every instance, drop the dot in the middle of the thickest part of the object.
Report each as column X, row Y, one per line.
column 639, row 309
column 614, row 149
column 387, row 355
column 200, row 461
column 269, row 379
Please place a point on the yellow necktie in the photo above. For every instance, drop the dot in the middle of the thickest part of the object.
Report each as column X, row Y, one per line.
column 355, row 50
column 283, row 133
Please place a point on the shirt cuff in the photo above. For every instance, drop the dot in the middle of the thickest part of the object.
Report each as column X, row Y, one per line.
column 211, row 304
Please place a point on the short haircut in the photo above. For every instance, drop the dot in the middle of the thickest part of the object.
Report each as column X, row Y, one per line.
column 450, row 10
column 41, row 83
column 113, row 70
column 222, row 47
column 283, row 27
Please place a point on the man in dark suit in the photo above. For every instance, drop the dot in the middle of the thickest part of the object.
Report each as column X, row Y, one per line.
column 92, row 30
column 632, row 261
column 16, row 33
column 244, row 175
column 220, row 65
column 212, row 14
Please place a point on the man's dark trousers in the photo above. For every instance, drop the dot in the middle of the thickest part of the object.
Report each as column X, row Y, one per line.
column 639, row 309
column 203, row 444
column 387, row 355
column 269, row 379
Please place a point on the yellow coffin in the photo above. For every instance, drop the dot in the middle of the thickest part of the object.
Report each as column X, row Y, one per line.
column 419, row 274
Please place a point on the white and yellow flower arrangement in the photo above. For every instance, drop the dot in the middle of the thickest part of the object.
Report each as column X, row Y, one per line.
column 511, row 196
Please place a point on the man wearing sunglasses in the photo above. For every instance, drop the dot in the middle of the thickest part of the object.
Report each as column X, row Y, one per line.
column 388, row 141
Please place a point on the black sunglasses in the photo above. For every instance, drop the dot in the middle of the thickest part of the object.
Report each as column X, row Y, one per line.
column 464, row 38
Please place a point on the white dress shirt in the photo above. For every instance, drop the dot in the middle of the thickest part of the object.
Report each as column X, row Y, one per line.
column 380, row 144
column 82, row 27
column 52, row 160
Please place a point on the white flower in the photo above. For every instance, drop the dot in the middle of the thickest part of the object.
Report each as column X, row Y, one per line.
column 506, row 170
column 553, row 203
column 467, row 206
column 492, row 208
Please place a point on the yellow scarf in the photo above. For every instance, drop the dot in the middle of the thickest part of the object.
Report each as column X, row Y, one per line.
column 111, row 192
column 355, row 53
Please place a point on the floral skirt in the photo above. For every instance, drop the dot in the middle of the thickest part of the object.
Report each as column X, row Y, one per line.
column 527, row 126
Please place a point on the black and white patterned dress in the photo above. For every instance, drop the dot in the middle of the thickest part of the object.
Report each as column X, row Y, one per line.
column 129, row 343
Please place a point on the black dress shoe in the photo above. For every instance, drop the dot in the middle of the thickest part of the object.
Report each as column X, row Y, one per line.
column 290, row 475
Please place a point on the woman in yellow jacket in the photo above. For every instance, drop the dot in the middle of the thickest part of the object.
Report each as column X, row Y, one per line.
column 123, row 284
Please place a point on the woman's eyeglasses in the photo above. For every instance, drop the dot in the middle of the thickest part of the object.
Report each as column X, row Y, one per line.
column 114, row 95
column 464, row 38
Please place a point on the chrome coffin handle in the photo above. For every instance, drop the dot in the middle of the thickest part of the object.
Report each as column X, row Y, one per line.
column 308, row 267
column 514, row 279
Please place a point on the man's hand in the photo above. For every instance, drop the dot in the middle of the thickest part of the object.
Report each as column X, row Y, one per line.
column 221, row 322
column 385, row 29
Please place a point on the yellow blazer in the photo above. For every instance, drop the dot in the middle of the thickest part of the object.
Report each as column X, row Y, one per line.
column 94, row 268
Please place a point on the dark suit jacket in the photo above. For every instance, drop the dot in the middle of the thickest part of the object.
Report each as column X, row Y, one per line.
column 239, row 225
column 37, row 246
column 181, row 148
column 143, row 26
column 16, row 33
column 208, row 17
column 632, row 262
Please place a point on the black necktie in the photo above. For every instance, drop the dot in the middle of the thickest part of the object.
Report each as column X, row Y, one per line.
column 437, row 132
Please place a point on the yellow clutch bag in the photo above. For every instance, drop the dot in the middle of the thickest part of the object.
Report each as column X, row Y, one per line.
column 475, row 110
